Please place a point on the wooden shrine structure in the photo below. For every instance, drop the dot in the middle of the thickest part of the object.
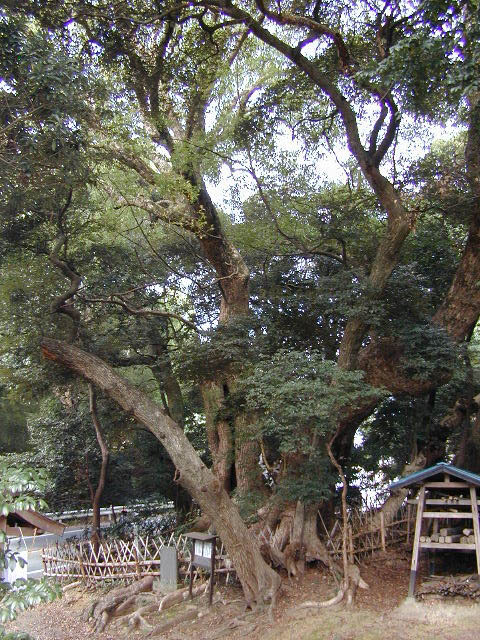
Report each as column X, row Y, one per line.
column 447, row 495
column 28, row 523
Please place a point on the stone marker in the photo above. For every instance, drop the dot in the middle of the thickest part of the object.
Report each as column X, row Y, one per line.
column 168, row 569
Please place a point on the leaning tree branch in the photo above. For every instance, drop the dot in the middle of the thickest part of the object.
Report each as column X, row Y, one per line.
column 259, row 581
column 290, row 19
column 351, row 573
column 120, row 301
column 390, row 133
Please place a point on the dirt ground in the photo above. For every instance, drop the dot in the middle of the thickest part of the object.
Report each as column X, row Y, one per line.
column 380, row 613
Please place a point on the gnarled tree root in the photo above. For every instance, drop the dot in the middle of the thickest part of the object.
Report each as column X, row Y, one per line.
column 348, row 588
column 100, row 612
column 135, row 619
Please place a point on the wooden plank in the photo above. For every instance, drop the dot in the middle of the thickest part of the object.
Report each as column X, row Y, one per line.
column 416, row 542
column 447, row 485
column 447, row 514
column 447, row 545
column 476, row 531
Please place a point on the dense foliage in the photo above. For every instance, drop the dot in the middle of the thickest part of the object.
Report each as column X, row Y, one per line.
column 265, row 217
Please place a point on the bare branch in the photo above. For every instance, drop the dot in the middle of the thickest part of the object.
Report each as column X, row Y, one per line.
column 59, row 304
column 118, row 300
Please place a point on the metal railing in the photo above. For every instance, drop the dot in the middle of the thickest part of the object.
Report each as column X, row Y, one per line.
column 109, row 511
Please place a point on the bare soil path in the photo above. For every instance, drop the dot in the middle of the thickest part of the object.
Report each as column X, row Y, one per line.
column 380, row 613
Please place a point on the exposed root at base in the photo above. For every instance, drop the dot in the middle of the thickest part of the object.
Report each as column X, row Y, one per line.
column 348, row 588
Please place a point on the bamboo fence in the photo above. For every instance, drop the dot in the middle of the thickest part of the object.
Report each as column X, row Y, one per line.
column 130, row 560
column 368, row 532
column 122, row 560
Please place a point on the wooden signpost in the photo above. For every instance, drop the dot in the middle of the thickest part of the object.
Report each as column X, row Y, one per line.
column 203, row 555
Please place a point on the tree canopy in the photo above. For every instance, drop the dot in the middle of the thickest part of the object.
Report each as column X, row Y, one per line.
column 264, row 217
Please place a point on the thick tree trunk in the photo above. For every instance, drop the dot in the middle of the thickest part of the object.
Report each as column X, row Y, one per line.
column 465, row 415
column 259, row 581
column 233, row 280
column 399, row 225
column 219, row 432
column 460, row 310
column 248, row 472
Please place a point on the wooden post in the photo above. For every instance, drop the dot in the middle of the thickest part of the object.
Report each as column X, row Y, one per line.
column 80, row 564
column 409, row 515
column 350, row 543
column 191, row 579
column 212, row 572
column 382, row 531
column 476, row 532
column 416, row 542
column 137, row 564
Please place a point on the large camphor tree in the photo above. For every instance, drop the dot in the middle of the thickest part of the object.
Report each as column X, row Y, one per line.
column 188, row 89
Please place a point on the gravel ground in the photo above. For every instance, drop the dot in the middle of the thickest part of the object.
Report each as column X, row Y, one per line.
column 58, row 620
column 380, row 613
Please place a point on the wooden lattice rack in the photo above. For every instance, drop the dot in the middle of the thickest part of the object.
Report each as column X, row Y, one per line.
column 446, row 493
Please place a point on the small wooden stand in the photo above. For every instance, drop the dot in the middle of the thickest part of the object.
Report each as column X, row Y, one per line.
column 441, row 490
column 203, row 555
column 422, row 514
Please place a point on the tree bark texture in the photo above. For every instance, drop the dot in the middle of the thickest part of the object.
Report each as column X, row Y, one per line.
column 162, row 370
column 219, row 432
column 258, row 580
column 248, row 473
column 460, row 310
column 381, row 360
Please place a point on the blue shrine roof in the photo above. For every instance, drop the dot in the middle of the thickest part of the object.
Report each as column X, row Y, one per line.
column 442, row 467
